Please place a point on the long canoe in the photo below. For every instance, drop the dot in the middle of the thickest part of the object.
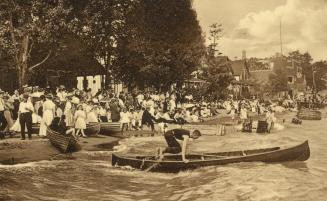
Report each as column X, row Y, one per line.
column 92, row 129
column 110, row 128
column 173, row 163
column 309, row 114
column 65, row 143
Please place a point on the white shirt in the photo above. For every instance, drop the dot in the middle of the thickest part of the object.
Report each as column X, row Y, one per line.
column 24, row 106
column 2, row 107
column 125, row 117
column 92, row 117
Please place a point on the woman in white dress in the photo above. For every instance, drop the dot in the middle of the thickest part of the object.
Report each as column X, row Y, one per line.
column 68, row 112
column 80, row 121
column 49, row 109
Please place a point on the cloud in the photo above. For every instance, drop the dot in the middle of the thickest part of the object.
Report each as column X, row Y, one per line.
column 304, row 27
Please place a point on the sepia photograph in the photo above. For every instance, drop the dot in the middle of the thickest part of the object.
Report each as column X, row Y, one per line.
column 163, row 100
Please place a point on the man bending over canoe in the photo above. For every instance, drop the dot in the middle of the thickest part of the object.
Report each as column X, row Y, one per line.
column 174, row 147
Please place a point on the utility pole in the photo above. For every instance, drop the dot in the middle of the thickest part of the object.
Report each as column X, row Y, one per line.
column 280, row 37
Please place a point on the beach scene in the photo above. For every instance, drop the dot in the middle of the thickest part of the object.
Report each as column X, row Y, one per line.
column 163, row 100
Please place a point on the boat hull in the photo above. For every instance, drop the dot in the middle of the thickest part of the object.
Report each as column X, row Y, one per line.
column 110, row 128
column 92, row 129
column 65, row 143
column 175, row 164
column 308, row 114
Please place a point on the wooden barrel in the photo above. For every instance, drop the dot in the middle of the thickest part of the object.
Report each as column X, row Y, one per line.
column 308, row 114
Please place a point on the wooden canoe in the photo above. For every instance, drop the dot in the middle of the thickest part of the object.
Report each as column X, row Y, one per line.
column 110, row 128
column 92, row 129
column 65, row 143
column 36, row 128
column 309, row 114
column 173, row 163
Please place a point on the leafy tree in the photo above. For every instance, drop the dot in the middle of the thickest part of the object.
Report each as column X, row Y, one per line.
column 320, row 75
column 305, row 62
column 162, row 44
column 278, row 81
column 215, row 34
column 219, row 77
column 26, row 25
column 101, row 23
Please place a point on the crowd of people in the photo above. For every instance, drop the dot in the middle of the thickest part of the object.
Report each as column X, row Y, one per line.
column 71, row 110
column 64, row 109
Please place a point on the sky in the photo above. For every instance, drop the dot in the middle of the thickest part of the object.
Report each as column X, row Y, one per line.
column 254, row 26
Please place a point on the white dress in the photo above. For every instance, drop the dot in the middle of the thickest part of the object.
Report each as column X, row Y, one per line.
column 125, row 117
column 48, row 115
column 68, row 114
column 80, row 117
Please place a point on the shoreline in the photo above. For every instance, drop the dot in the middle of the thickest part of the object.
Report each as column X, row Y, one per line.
column 15, row 151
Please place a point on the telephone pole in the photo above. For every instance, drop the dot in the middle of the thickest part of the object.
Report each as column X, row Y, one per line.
column 280, row 37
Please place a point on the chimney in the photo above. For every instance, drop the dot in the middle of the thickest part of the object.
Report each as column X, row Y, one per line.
column 244, row 55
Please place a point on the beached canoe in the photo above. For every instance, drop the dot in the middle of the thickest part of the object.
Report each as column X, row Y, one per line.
column 35, row 128
column 173, row 163
column 92, row 129
column 110, row 128
column 309, row 114
column 65, row 143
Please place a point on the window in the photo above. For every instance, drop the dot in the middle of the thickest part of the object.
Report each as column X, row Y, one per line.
column 290, row 80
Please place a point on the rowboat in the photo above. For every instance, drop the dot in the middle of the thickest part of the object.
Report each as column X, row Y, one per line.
column 309, row 114
column 36, row 128
column 110, row 128
column 92, row 129
column 173, row 163
column 65, row 143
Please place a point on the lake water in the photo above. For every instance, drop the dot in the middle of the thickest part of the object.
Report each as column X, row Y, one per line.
column 91, row 177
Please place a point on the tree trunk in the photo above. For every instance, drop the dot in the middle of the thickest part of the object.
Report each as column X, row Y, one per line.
column 22, row 62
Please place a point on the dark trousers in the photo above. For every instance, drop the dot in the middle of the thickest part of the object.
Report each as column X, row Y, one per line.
column 3, row 121
column 173, row 146
column 26, row 119
column 148, row 122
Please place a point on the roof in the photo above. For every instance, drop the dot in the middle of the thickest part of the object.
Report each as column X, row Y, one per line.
column 222, row 59
column 238, row 67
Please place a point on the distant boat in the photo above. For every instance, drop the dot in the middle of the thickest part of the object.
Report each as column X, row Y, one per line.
column 65, row 143
column 173, row 163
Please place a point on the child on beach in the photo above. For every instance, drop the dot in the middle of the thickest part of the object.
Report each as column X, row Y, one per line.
column 80, row 121
column 125, row 119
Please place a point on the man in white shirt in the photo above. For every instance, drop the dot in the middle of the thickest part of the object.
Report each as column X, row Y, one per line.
column 25, row 116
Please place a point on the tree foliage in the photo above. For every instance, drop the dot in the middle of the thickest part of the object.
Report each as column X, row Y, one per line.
column 162, row 43
column 320, row 75
column 153, row 42
column 278, row 81
column 27, row 24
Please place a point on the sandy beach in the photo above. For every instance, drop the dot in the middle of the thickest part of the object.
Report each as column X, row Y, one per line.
column 14, row 150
